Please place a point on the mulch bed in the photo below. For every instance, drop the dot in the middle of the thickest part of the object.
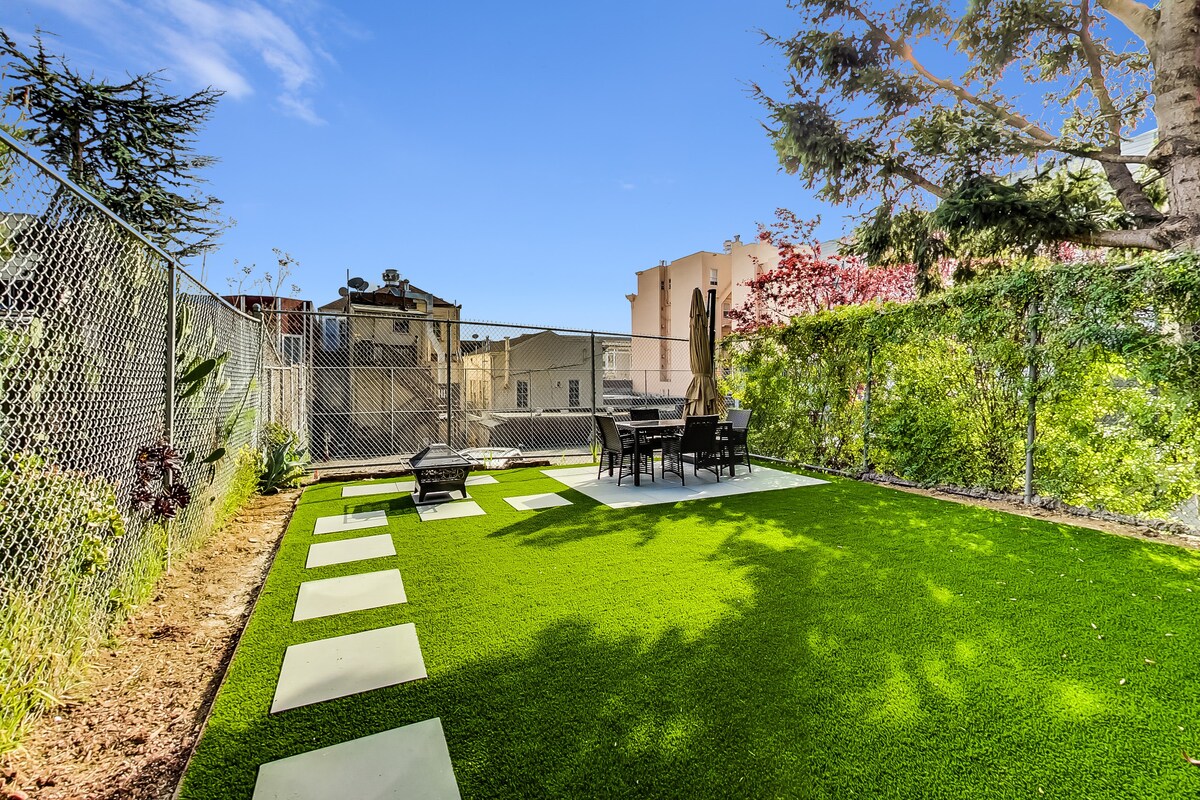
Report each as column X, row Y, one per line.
column 130, row 732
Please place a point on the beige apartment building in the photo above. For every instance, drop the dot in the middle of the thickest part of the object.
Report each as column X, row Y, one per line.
column 661, row 307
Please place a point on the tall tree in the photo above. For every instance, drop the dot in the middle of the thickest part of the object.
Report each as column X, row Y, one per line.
column 130, row 143
column 927, row 113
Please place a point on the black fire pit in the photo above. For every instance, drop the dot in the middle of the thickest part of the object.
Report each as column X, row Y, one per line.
column 437, row 470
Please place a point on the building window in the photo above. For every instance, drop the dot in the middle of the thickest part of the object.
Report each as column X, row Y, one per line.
column 712, row 277
column 522, row 394
column 333, row 333
column 400, row 325
column 293, row 348
column 573, row 393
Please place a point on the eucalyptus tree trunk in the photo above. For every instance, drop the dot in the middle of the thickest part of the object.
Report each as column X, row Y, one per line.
column 1175, row 49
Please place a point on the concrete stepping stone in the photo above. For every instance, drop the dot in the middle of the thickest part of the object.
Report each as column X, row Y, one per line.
column 350, row 522
column 532, row 502
column 408, row 762
column 345, row 665
column 480, row 480
column 330, row 596
column 366, row 490
column 360, row 548
column 403, row 487
column 466, row 508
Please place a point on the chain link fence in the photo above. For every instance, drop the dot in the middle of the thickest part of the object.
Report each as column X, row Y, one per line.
column 372, row 387
column 90, row 315
column 107, row 346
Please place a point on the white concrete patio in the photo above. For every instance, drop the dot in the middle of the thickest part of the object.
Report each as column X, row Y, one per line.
column 669, row 490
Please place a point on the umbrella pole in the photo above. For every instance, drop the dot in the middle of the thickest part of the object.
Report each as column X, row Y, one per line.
column 712, row 330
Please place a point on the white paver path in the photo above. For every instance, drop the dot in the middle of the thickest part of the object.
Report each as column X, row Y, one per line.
column 403, row 487
column 330, row 596
column 360, row 548
column 408, row 762
column 350, row 522
column 532, row 502
column 368, row 489
column 345, row 665
column 467, row 508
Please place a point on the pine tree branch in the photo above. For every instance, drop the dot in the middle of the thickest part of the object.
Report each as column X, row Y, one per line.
column 917, row 179
column 905, row 52
column 1139, row 238
column 1099, row 86
column 1131, row 196
column 1139, row 18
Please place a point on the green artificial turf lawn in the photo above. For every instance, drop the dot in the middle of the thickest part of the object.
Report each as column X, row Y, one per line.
column 843, row 640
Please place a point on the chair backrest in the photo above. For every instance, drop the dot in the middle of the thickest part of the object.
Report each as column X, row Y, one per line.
column 641, row 414
column 610, row 437
column 699, row 434
column 739, row 418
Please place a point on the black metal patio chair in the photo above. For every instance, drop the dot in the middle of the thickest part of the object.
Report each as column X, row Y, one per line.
column 735, row 444
column 650, row 441
column 697, row 439
column 618, row 447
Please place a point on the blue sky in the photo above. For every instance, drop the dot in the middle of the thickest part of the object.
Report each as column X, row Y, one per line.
column 523, row 160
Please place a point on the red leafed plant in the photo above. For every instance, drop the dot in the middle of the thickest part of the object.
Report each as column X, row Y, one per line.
column 807, row 280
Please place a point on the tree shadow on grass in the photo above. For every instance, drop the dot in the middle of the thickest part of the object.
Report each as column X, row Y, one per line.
column 879, row 654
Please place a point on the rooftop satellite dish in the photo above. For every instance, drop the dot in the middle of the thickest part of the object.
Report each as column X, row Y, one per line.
column 343, row 291
column 357, row 283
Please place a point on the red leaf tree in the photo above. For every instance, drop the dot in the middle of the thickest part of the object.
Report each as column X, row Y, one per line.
column 807, row 281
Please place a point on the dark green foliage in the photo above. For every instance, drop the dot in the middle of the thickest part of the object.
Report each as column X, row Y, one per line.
column 1118, row 394
column 129, row 144
column 876, row 116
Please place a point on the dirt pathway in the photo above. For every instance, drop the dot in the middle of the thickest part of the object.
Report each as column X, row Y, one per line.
column 130, row 734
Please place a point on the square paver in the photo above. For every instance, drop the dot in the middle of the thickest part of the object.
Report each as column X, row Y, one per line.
column 532, row 502
column 403, row 487
column 465, row 508
column 330, row 596
column 366, row 490
column 409, row 762
column 360, row 548
column 345, row 665
column 480, row 480
column 350, row 522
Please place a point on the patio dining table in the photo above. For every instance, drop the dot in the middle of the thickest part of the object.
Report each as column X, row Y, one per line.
column 641, row 426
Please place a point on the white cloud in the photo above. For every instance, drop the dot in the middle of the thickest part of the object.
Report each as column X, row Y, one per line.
column 216, row 43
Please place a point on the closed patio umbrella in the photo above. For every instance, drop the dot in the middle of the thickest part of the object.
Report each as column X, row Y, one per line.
column 702, row 391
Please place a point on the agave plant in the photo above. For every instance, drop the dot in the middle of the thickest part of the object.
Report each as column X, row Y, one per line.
column 282, row 465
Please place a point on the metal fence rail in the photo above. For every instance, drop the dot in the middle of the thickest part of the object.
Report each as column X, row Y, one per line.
column 375, row 387
column 90, row 313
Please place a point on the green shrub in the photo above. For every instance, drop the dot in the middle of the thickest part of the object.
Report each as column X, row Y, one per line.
column 1117, row 391
column 58, row 530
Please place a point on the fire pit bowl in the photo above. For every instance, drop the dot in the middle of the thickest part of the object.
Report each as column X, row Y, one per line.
column 439, row 470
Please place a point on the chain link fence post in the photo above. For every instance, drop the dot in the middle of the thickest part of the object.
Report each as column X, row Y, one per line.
column 1031, row 389
column 593, row 371
column 449, row 385
column 867, row 408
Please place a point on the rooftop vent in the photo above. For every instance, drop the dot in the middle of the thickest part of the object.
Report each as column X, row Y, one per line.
column 391, row 277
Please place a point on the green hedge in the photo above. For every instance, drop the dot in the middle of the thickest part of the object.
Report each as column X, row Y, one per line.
column 1117, row 385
